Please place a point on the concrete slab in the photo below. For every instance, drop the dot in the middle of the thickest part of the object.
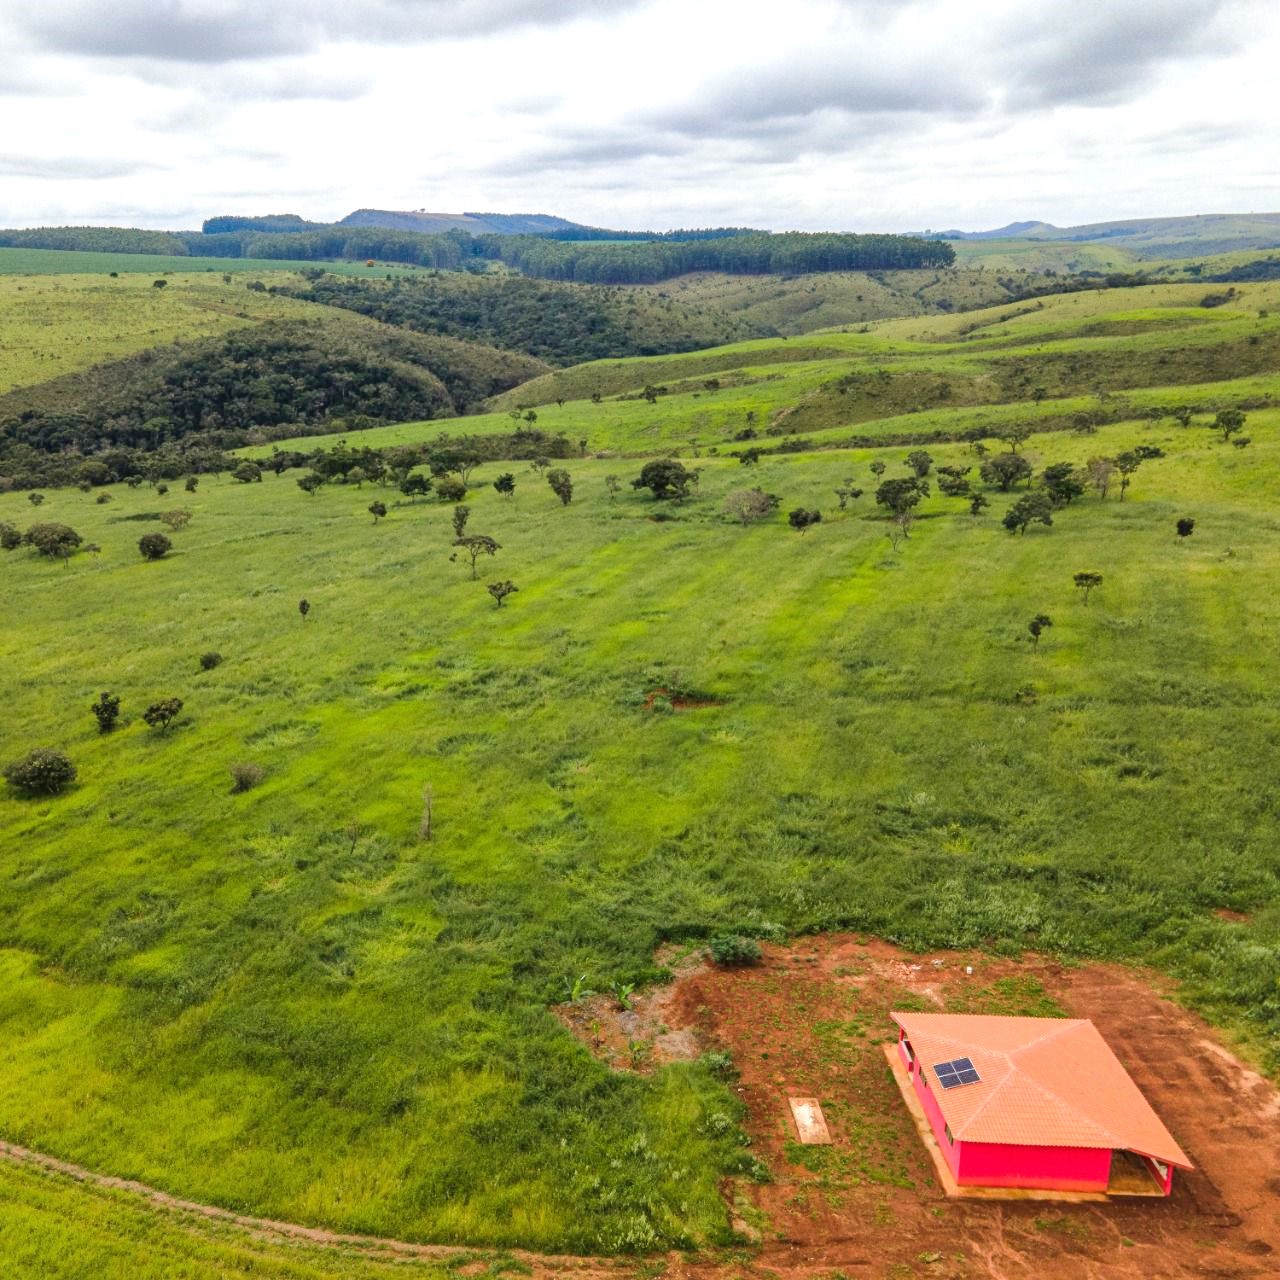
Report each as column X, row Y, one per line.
column 811, row 1124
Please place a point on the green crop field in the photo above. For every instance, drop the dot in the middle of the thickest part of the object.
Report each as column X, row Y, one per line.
column 286, row 1001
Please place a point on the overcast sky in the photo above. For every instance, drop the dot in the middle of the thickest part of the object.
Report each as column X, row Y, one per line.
column 845, row 114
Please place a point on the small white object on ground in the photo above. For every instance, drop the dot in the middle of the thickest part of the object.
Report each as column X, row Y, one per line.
column 811, row 1124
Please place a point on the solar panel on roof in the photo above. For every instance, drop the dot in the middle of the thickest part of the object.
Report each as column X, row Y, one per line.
column 956, row 1072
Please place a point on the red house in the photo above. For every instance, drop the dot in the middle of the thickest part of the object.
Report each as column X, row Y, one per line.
column 1034, row 1102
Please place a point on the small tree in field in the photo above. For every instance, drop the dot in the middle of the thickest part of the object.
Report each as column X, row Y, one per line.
column 1037, row 626
column 57, row 541
column 106, row 711
column 176, row 520
column 310, row 483
column 248, row 473
column 501, row 590
column 1029, row 509
column 461, row 515
column 750, row 505
column 476, row 545
column 451, row 489
column 160, row 715
column 415, row 485
column 613, row 484
column 154, row 546
column 1086, row 581
column 210, row 660
column 920, row 462
column 10, row 538
column 665, row 478
column 877, row 469
column 802, row 519
column 304, row 608
column 1229, row 421
column 1015, row 435
column 378, row 511
column 561, row 484
column 978, row 503
column 540, row 464
column 505, row 484
column 35, row 499
column 41, row 772
column 192, row 484
column 1005, row 470
column 1186, row 527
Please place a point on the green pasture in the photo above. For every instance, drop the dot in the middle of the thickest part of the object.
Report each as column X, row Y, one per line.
column 288, row 1003
column 78, row 262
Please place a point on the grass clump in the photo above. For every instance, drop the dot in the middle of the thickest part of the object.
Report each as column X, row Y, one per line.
column 733, row 950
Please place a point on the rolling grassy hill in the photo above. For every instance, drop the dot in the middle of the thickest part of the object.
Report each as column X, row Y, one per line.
column 286, row 1001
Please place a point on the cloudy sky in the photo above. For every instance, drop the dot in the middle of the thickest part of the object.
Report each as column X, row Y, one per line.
column 848, row 114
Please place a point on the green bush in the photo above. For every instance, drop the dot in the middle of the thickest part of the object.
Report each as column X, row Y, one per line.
column 245, row 775
column 41, row 772
column 733, row 950
column 210, row 660
column 154, row 546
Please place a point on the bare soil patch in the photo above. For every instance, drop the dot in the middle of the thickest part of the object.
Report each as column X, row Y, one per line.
column 811, row 1019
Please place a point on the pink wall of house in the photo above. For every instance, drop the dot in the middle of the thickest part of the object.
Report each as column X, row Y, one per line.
column 992, row 1164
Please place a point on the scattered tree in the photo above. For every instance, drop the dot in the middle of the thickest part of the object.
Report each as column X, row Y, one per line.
column 1015, row 435
column 416, row 485
column 247, row 473
column 154, row 546
column 377, row 510
column 41, row 772
column 749, row 457
column 877, row 469
column 1062, row 482
column 802, row 518
column 847, row 491
column 1229, row 421
column 561, row 484
column 210, row 660
column 505, row 484
column 304, row 608
column 160, row 715
column 477, row 545
column 750, row 505
column 106, row 711
column 1037, row 626
column 613, row 484
column 57, row 541
column 501, row 590
column 1005, row 470
column 665, row 478
column 176, row 520
column 35, row 499
column 310, row 483
column 1028, row 509
column 10, row 538
column 451, row 489
column 461, row 515
column 539, row 464
column 1101, row 471
column 900, row 496
column 978, row 503
column 1186, row 527
column 920, row 462
column 192, row 484
column 1086, row 581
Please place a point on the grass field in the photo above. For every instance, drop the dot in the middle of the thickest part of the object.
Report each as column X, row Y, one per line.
column 52, row 325
column 285, row 1002
column 920, row 376
column 76, row 262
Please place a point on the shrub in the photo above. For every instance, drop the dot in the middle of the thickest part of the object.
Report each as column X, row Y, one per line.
column 245, row 775
column 154, row 546
column 210, row 660
column 10, row 538
column 103, row 499
column 176, row 520
column 561, row 484
column 801, row 519
column 732, row 950
column 57, row 541
column 450, row 489
column 192, row 484
column 41, row 772
column 377, row 510
column 247, row 473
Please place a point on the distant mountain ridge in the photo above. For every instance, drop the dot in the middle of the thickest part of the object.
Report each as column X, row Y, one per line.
column 476, row 224
column 1176, row 237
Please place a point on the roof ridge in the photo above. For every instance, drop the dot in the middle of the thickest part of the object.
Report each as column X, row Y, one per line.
column 1069, row 1024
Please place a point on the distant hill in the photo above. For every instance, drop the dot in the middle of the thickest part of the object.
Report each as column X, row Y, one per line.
column 1180, row 237
column 477, row 224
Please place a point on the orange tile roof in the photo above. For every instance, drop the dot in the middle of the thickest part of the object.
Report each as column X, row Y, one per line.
column 1045, row 1082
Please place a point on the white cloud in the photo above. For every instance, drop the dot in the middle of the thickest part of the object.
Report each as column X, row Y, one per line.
column 843, row 113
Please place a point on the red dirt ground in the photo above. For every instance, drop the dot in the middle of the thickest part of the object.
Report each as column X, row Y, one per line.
column 810, row 1020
